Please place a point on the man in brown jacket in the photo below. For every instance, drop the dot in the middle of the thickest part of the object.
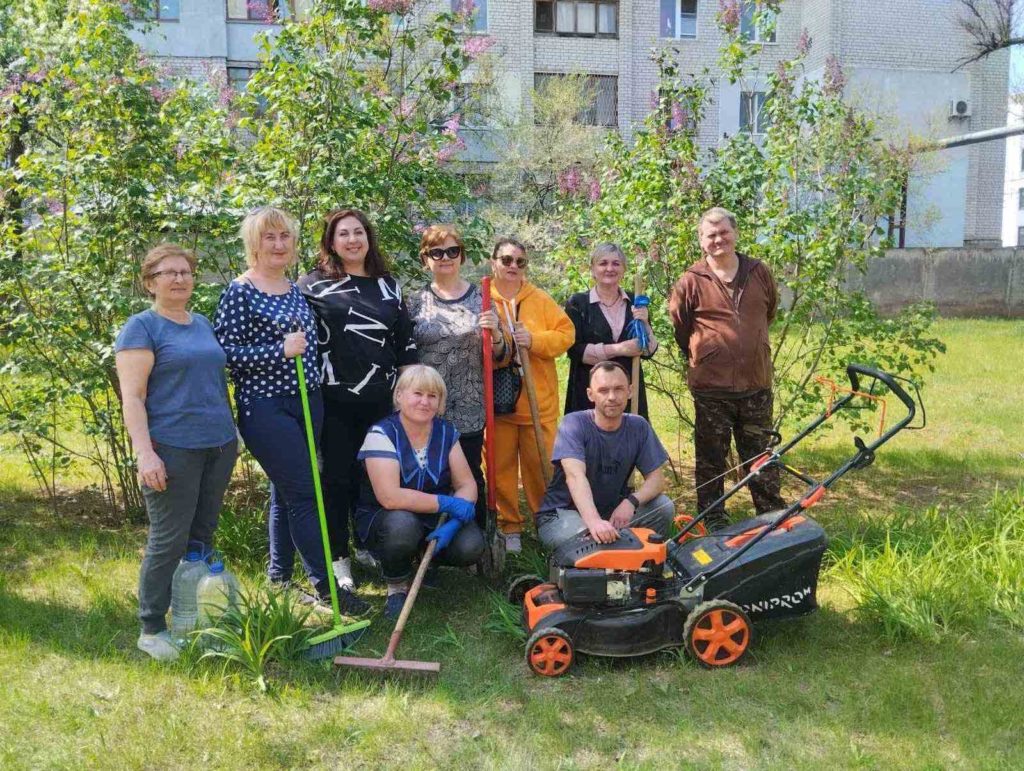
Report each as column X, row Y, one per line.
column 721, row 309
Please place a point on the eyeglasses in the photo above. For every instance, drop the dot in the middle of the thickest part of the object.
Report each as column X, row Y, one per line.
column 184, row 275
column 451, row 253
column 508, row 259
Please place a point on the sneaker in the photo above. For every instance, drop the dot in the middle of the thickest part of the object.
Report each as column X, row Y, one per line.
column 432, row 578
column 513, row 543
column 343, row 573
column 159, row 646
column 367, row 560
column 350, row 603
column 715, row 521
column 395, row 603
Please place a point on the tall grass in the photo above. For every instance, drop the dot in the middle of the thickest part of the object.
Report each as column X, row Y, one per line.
column 928, row 574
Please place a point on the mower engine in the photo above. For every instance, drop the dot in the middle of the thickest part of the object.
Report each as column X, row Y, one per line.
column 624, row 572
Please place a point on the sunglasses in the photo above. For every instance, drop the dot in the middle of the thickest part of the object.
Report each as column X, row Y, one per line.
column 508, row 259
column 451, row 253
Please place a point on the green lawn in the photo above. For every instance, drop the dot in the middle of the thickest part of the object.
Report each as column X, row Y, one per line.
column 827, row 690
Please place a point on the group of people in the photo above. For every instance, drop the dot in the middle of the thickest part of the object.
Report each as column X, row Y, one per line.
column 396, row 396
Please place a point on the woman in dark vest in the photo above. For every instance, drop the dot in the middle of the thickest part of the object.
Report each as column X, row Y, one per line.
column 601, row 317
column 413, row 471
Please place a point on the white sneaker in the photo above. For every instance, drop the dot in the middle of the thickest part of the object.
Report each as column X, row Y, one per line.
column 160, row 646
column 513, row 543
column 343, row 572
column 367, row 560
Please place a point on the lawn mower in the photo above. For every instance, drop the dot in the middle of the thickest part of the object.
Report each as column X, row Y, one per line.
column 643, row 593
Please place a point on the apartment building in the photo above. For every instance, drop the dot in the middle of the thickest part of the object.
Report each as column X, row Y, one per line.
column 899, row 57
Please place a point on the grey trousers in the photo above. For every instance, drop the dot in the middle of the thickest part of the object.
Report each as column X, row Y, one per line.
column 186, row 511
column 556, row 527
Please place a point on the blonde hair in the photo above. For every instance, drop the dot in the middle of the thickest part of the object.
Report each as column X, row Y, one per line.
column 607, row 249
column 158, row 254
column 258, row 222
column 717, row 214
column 426, row 379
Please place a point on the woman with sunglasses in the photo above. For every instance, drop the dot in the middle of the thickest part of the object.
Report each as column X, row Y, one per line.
column 448, row 320
column 175, row 399
column 365, row 338
column 531, row 321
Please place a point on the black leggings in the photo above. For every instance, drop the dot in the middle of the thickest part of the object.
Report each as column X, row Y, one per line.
column 345, row 427
column 396, row 536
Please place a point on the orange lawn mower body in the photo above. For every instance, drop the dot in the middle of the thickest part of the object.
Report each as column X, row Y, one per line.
column 643, row 593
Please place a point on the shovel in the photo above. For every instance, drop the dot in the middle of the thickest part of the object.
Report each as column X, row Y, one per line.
column 492, row 562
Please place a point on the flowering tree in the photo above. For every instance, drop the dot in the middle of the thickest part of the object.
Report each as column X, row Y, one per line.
column 360, row 105
column 813, row 201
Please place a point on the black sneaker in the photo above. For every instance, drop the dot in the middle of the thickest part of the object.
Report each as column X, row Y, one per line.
column 432, row 578
column 350, row 603
column 715, row 521
column 394, row 603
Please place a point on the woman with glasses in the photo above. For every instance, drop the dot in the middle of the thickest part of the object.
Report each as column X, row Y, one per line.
column 365, row 339
column 531, row 321
column 602, row 318
column 447, row 321
column 263, row 322
column 175, row 399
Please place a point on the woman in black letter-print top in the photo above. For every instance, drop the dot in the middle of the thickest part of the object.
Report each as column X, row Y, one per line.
column 365, row 337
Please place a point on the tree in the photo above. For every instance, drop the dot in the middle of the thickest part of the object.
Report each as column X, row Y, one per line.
column 991, row 25
column 813, row 198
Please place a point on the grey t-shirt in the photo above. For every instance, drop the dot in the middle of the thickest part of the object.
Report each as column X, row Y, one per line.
column 187, row 392
column 610, row 456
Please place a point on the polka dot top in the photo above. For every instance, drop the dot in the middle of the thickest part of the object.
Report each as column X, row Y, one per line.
column 251, row 326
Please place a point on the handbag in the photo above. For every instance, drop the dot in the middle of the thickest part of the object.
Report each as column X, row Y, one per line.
column 508, row 382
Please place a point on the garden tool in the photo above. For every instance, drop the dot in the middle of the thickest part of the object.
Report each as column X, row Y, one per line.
column 492, row 562
column 531, row 395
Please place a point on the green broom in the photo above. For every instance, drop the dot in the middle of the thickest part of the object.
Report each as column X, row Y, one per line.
column 327, row 644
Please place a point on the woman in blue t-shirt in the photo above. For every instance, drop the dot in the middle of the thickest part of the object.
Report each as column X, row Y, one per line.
column 413, row 470
column 263, row 322
column 175, row 399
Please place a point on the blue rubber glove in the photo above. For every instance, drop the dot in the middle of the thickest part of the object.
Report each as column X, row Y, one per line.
column 444, row 534
column 456, row 508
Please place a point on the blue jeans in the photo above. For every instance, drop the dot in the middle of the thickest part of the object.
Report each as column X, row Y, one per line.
column 275, row 433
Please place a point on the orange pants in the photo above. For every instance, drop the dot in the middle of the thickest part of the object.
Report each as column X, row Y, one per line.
column 515, row 454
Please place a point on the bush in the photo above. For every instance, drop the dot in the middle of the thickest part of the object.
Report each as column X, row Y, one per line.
column 242, row 535
column 929, row 574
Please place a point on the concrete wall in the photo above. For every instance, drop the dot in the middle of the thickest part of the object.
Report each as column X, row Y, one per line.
column 961, row 282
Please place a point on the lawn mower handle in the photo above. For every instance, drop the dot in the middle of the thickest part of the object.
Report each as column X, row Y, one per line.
column 853, row 370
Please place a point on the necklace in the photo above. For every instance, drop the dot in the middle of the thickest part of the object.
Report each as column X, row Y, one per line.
column 612, row 304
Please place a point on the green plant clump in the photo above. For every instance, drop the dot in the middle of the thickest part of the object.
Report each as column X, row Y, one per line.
column 931, row 573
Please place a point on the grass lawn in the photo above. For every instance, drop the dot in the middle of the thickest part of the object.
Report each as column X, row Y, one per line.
column 829, row 690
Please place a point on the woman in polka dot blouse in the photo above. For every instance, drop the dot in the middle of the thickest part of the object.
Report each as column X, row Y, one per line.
column 263, row 322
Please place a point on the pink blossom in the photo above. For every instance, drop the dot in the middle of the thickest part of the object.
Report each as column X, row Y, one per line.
column 655, row 101
column 804, row 44
column 449, row 151
column 418, row 228
column 406, row 107
column 225, row 96
column 260, row 10
column 36, row 76
column 466, row 8
column 54, row 206
column 679, row 117
column 179, row 150
column 569, row 181
column 729, row 15
column 401, row 7
column 594, row 193
column 478, row 45
column 834, row 78
column 159, row 93
column 782, row 75
column 452, row 125
column 13, row 85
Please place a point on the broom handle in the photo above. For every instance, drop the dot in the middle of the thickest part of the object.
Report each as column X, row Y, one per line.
column 414, row 590
column 531, row 396
column 315, row 468
column 634, row 384
column 485, row 305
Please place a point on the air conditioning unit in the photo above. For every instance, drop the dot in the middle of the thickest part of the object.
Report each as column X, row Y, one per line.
column 959, row 108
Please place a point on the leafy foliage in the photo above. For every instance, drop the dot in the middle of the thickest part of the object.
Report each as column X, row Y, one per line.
column 813, row 197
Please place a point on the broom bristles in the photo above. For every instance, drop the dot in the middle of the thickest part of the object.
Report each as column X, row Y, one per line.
column 334, row 641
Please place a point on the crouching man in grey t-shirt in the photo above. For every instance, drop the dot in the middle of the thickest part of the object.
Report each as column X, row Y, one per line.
column 594, row 456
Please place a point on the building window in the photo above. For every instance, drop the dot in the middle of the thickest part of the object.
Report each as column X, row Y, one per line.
column 1022, row 160
column 748, row 27
column 239, row 74
column 1020, row 236
column 1020, row 199
column 163, row 10
column 587, row 18
column 678, row 19
column 604, row 109
column 261, row 10
column 479, row 9
column 753, row 115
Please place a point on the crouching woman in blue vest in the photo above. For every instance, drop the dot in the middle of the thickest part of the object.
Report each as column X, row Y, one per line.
column 413, row 470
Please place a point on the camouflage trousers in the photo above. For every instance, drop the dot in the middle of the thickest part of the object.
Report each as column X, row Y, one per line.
column 718, row 421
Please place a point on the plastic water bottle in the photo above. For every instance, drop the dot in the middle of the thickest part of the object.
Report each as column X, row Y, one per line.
column 188, row 574
column 217, row 592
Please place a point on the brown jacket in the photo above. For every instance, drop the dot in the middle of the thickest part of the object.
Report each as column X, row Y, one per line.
column 725, row 339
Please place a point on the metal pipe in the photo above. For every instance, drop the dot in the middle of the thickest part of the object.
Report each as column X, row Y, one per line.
column 975, row 137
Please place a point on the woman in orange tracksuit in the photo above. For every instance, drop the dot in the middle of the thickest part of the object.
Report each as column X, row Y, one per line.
column 547, row 332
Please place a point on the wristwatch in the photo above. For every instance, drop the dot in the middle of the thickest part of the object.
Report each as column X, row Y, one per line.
column 633, row 499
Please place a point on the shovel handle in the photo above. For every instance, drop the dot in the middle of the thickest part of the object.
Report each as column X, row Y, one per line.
column 531, row 396
column 634, row 382
column 485, row 305
column 411, row 598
